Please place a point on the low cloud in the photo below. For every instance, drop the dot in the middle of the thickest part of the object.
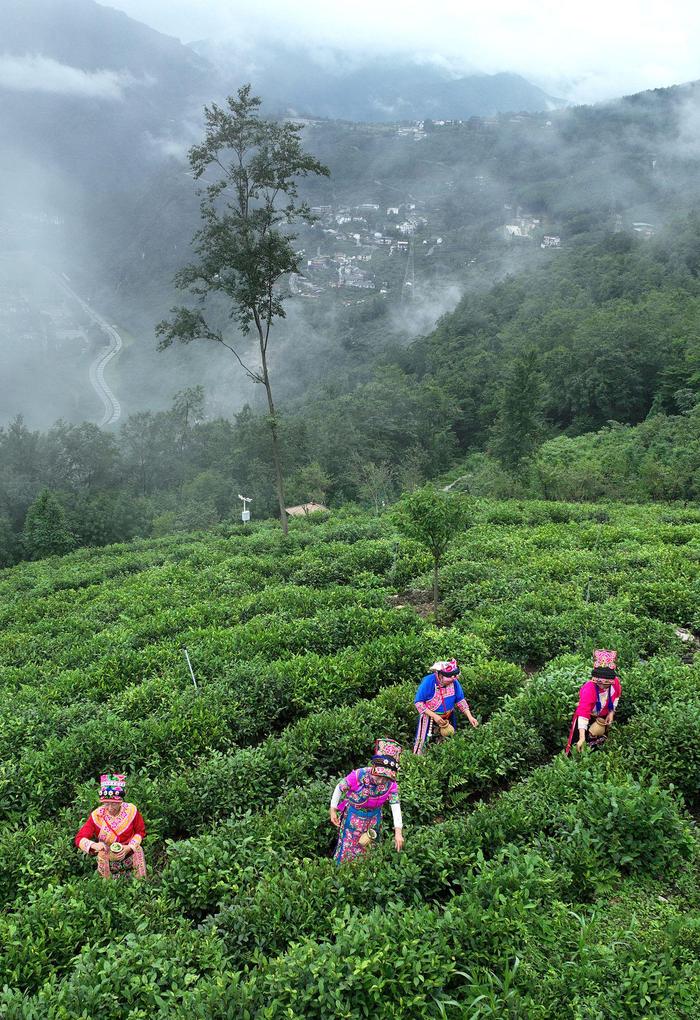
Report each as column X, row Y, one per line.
column 581, row 52
column 35, row 73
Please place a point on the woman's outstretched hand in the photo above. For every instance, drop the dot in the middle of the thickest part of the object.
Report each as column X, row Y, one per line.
column 335, row 817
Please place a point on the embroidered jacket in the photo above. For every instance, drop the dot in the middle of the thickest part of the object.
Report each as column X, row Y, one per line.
column 360, row 790
column 440, row 699
column 591, row 703
column 126, row 827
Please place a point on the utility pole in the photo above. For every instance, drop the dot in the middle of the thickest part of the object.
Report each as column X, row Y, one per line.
column 409, row 279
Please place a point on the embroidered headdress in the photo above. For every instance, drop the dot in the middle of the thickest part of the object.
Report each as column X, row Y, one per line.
column 447, row 668
column 385, row 760
column 112, row 787
column 604, row 664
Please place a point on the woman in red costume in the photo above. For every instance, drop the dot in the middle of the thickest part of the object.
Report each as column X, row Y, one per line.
column 114, row 832
column 597, row 703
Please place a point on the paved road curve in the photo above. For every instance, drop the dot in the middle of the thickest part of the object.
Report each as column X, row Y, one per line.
column 112, row 407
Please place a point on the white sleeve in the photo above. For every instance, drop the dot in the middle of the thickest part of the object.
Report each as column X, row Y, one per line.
column 336, row 798
column 396, row 815
column 583, row 722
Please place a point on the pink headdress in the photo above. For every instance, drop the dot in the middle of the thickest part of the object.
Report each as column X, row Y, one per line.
column 447, row 667
column 112, row 787
column 603, row 657
column 385, row 760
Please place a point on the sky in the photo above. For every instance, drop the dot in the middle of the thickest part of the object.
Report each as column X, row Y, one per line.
column 584, row 51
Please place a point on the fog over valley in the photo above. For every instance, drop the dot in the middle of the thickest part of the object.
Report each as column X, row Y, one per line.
column 98, row 111
column 445, row 179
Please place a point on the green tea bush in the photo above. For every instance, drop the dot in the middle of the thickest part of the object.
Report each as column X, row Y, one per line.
column 201, row 871
column 663, row 743
column 154, row 974
column 572, row 815
column 41, row 938
column 33, row 856
column 673, row 602
column 387, row 965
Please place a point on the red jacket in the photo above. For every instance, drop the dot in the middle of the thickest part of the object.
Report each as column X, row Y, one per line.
column 125, row 827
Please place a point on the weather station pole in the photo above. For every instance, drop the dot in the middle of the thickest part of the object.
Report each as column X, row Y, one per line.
column 245, row 512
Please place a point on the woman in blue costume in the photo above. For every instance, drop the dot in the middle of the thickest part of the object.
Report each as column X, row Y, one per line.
column 438, row 699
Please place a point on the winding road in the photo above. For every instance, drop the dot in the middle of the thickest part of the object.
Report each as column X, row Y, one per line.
column 112, row 407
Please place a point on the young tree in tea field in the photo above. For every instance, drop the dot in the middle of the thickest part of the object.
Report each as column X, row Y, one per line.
column 244, row 246
column 433, row 519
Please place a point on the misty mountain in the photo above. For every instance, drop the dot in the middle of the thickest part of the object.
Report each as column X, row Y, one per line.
column 381, row 89
column 93, row 37
column 96, row 114
column 89, row 94
column 91, row 105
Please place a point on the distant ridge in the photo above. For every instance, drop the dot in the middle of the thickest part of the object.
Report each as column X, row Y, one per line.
column 375, row 90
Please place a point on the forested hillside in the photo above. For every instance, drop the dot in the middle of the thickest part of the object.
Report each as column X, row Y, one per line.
column 509, row 393
column 609, row 332
column 523, row 872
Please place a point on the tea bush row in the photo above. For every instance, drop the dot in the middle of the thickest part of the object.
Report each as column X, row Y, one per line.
column 592, row 825
column 587, row 820
column 198, row 723
column 195, row 797
column 529, row 728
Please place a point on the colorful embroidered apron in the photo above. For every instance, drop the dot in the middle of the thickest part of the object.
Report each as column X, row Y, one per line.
column 111, row 827
column 360, row 812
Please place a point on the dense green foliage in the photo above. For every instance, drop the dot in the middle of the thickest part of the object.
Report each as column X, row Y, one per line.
column 525, row 874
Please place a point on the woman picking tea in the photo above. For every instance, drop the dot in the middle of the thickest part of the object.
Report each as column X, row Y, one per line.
column 597, row 703
column 438, row 699
column 114, row 832
column 357, row 802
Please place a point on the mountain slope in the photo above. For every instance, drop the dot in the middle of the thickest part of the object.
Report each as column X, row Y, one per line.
column 302, row 658
column 87, row 92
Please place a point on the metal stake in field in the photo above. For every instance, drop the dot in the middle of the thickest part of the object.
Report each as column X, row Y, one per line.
column 187, row 656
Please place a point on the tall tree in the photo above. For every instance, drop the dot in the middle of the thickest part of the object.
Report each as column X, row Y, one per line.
column 46, row 531
column 519, row 427
column 244, row 246
column 188, row 406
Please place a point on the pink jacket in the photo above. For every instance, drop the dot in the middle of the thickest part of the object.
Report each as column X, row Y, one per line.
column 355, row 783
column 588, row 698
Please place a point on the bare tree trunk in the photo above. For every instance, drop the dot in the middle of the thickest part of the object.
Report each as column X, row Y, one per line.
column 279, row 482
column 436, row 592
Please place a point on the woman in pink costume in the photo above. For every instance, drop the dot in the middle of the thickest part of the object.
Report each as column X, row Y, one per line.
column 357, row 802
column 597, row 703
